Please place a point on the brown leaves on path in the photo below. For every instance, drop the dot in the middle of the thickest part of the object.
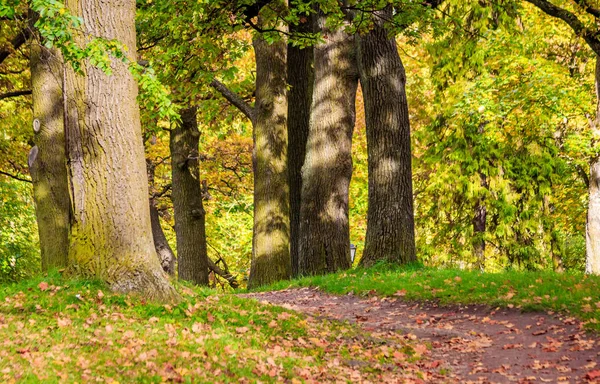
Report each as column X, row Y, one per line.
column 477, row 344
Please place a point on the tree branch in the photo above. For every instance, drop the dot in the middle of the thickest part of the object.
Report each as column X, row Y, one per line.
column 165, row 189
column 15, row 94
column 14, row 176
column 590, row 37
column 588, row 8
column 234, row 99
column 227, row 276
column 16, row 43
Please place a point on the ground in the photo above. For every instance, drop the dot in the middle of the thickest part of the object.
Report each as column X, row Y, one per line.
column 467, row 343
column 374, row 326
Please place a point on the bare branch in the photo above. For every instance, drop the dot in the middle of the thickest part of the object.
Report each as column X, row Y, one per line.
column 165, row 189
column 15, row 177
column 234, row 99
column 16, row 43
column 223, row 273
column 588, row 8
column 15, row 94
column 590, row 36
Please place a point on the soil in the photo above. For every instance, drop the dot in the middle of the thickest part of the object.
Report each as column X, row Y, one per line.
column 474, row 343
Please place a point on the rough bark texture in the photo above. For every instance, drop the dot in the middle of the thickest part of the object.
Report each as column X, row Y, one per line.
column 192, row 263
column 324, row 244
column 111, row 236
column 47, row 159
column 271, row 236
column 163, row 249
column 300, row 78
column 390, row 218
column 592, row 257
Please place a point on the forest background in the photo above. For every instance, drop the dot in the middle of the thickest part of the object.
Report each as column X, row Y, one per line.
column 501, row 97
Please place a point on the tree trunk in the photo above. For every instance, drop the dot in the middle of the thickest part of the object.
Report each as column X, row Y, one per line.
column 390, row 217
column 592, row 233
column 47, row 159
column 271, row 236
column 557, row 250
column 300, row 77
column 163, row 249
column 327, row 170
column 190, row 231
column 479, row 224
column 111, row 236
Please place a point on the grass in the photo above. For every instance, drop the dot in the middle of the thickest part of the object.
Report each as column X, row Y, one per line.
column 57, row 331
column 574, row 294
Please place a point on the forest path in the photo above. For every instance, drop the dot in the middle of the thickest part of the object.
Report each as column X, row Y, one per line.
column 475, row 343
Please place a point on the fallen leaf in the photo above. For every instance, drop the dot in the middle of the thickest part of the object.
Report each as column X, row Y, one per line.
column 63, row 322
column 43, row 286
column 593, row 375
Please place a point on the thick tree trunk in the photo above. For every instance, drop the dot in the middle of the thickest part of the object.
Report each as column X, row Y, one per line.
column 324, row 244
column 192, row 263
column 390, row 218
column 111, row 237
column 47, row 159
column 592, row 233
column 271, row 236
column 300, row 77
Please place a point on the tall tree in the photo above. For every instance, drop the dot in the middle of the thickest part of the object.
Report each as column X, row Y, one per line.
column 47, row 159
column 300, row 78
column 390, row 218
column 591, row 36
column 324, row 242
column 271, row 234
column 110, row 235
column 188, row 208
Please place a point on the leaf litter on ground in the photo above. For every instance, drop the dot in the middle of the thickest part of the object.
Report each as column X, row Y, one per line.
column 57, row 331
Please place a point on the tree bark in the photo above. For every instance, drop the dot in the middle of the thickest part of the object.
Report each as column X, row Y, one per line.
column 163, row 249
column 271, row 236
column 557, row 250
column 479, row 225
column 592, row 233
column 190, row 231
column 300, row 78
column 324, row 242
column 47, row 159
column 390, row 219
column 111, row 236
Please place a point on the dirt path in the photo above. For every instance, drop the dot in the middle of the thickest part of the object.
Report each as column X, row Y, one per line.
column 476, row 343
